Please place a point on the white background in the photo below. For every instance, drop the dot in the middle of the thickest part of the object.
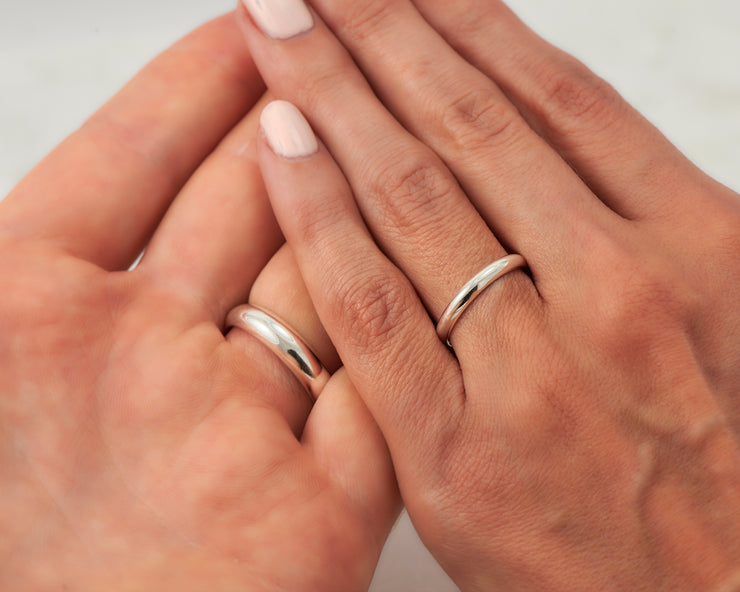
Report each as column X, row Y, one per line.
column 676, row 60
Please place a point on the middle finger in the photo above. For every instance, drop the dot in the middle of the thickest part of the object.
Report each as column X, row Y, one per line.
column 513, row 177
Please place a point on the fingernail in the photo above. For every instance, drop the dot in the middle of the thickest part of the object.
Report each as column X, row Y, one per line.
column 280, row 19
column 287, row 131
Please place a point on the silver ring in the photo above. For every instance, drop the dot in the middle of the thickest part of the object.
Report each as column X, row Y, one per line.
column 472, row 290
column 284, row 342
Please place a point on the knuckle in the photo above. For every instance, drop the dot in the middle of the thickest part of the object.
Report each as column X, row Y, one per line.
column 124, row 141
column 409, row 193
column 555, row 379
column 644, row 294
column 372, row 308
column 478, row 119
column 641, row 299
column 222, row 62
column 143, row 137
column 576, row 94
column 465, row 457
column 525, row 321
column 314, row 222
column 509, row 341
column 323, row 86
column 360, row 20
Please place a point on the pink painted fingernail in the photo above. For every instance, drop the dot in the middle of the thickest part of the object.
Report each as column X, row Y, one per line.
column 287, row 131
column 280, row 19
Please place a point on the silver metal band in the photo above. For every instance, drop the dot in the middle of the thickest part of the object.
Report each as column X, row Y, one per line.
column 284, row 342
column 472, row 290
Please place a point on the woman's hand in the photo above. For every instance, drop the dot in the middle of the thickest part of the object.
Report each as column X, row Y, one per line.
column 139, row 448
column 584, row 436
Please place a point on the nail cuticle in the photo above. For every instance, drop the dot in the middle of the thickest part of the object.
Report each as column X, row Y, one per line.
column 280, row 19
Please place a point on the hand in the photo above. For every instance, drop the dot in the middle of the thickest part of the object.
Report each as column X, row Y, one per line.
column 584, row 436
column 139, row 448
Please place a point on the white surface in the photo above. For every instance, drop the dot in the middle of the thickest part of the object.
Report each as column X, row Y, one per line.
column 676, row 60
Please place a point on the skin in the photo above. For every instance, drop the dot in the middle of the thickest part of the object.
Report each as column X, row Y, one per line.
column 140, row 448
column 584, row 433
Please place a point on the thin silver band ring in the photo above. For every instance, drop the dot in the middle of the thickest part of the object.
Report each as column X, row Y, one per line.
column 472, row 290
column 284, row 342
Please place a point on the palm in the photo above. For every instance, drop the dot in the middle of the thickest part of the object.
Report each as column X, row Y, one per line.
column 167, row 434
column 139, row 447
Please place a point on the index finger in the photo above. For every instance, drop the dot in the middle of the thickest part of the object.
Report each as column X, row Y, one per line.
column 100, row 194
column 408, row 379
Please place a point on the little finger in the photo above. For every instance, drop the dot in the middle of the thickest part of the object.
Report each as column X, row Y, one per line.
column 624, row 159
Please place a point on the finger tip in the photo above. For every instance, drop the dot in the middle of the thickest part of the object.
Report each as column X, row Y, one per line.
column 287, row 131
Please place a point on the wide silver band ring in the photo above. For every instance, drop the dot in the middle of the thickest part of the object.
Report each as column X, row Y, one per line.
column 284, row 342
column 472, row 290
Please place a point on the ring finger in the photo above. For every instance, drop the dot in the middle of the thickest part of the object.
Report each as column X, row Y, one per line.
column 279, row 291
